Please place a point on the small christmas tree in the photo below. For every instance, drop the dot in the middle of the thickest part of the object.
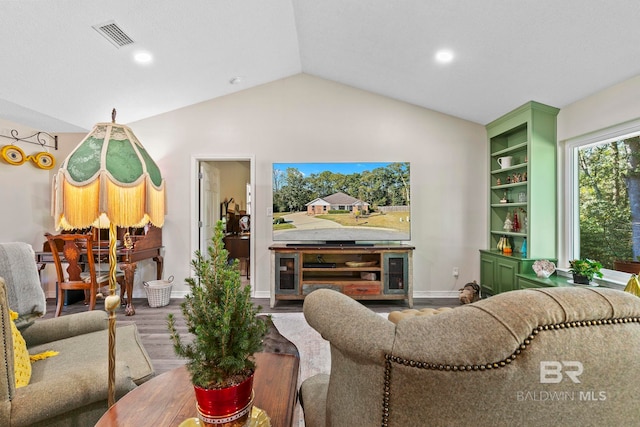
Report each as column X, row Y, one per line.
column 221, row 318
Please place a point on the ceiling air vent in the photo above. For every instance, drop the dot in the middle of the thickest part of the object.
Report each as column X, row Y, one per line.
column 113, row 33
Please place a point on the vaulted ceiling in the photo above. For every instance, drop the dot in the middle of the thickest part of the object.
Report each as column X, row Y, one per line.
column 59, row 74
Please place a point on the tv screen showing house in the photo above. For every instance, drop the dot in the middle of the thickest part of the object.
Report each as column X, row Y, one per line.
column 341, row 201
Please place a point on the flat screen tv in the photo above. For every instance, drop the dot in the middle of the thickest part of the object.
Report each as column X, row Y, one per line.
column 341, row 202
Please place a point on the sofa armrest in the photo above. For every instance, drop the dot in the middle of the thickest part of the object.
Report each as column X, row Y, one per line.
column 348, row 325
column 58, row 328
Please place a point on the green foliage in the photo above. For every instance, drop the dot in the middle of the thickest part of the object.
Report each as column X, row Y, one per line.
column 585, row 267
column 221, row 319
column 605, row 201
column 292, row 192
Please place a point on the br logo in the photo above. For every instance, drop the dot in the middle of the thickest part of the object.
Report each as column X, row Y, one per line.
column 552, row 372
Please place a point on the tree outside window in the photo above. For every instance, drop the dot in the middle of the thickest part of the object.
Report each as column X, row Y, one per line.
column 609, row 198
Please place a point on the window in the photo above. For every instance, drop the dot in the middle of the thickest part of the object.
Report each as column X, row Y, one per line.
column 602, row 197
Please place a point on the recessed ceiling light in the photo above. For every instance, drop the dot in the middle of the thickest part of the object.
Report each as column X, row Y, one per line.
column 444, row 56
column 143, row 57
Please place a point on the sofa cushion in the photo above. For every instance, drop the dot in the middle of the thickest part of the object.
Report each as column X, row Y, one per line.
column 86, row 351
column 20, row 272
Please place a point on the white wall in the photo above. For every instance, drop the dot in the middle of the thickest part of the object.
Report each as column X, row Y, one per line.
column 303, row 118
column 25, row 191
column 612, row 106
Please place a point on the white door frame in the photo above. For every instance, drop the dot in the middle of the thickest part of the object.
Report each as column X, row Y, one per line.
column 195, row 207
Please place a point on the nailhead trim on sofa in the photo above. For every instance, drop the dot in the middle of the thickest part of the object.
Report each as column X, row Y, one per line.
column 390, row 359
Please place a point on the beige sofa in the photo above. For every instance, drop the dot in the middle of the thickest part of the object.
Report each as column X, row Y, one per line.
column 70, row 388
column 555, row 356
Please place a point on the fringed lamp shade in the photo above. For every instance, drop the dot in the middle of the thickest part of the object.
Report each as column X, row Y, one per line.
column 108, row 178
column 108, row 181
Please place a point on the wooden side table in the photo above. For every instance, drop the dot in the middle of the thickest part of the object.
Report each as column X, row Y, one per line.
column 169, row 399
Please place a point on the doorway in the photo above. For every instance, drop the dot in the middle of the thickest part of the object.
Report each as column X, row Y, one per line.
column 224, row 190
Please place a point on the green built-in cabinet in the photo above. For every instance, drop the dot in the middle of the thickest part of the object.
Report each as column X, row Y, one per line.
column 502, row 273
column 528, row 136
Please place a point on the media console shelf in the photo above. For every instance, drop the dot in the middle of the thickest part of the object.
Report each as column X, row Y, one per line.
column 375, row 272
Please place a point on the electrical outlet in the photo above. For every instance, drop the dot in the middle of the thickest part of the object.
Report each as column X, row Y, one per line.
column 269, row 211
column 456, row 273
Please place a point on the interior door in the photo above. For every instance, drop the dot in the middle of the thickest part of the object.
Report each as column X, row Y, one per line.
column 209, row 203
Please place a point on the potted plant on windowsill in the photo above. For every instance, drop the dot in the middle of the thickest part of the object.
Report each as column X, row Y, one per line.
column 584, row 270
column 628, row 266
column 225, row 333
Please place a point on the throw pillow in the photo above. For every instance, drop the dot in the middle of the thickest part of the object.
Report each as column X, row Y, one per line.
column 21, row 358
column 21, row 363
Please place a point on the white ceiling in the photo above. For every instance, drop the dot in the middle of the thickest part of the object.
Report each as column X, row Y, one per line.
column 60, row 75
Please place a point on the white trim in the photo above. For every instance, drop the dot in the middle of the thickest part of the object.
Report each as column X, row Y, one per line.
column 607, row 134
column 262, row 294
column 612, row 278
column 420, row 294
column 436, row 294
column 193, row 183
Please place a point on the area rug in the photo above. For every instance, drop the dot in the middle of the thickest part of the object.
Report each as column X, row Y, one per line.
column 314, row 351
column 315, row 356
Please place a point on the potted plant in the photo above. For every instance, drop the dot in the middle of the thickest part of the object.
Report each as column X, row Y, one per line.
column 225, row 333
column 584, row 270
column 628, row 266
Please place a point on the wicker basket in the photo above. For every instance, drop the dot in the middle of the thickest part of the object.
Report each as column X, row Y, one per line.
column 158, row 292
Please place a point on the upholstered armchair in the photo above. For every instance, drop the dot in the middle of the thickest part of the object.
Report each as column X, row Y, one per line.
column 528, row 357
column 71, row 387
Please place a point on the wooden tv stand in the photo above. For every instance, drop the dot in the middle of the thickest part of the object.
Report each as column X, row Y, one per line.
column 376, row 272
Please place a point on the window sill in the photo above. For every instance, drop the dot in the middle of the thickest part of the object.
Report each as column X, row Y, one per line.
column 611, row 278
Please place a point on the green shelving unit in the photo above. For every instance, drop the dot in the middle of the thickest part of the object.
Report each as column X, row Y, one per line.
column 527, row 188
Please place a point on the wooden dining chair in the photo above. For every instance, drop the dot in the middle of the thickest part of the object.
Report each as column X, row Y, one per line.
column 76, row 250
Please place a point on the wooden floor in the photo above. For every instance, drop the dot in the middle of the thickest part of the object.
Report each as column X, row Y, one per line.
column 152, row 322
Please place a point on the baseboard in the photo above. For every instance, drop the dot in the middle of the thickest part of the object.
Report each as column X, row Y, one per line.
column 436, row 294
column 262, row 294
column 421, row 294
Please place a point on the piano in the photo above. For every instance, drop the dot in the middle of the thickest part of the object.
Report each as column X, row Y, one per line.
column 146, row 243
